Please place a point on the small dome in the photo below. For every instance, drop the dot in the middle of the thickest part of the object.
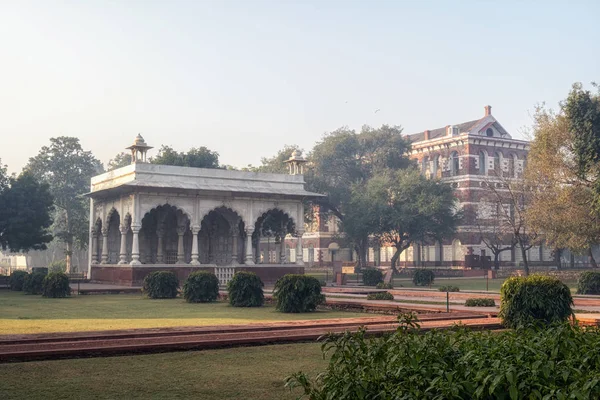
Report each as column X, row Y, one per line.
column 296, row 153
column 139, row 141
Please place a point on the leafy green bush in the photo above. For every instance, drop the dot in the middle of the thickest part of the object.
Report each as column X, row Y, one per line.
column 161, row 285
column 17, row 279
column 536, row 298
column 383, row 285
column 589, row 283
column 56, row 284
column 246, row 290
column 371, row 276
column 423, row 277
column 480, row 303
column 556, row 362
column 449, row 288
column 33, row 283
column 201, row 287
column 297, row 293
column 380, row 296
column 58, row 266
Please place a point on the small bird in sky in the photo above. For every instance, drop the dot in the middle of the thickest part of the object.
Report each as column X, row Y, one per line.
column 376, row 111
column 346, row 102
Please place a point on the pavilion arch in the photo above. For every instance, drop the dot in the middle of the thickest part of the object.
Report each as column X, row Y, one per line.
column 221, row 237
column 165, row 236
column 273, row 224
column 96, row 246
column 185, row 209
column 110, row 254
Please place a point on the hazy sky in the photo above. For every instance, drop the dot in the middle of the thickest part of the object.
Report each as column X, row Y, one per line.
column 246, row 77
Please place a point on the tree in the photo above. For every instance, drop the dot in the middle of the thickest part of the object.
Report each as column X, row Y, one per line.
column 67, row 169
column 121, row 160
column 200, row 157
column 276, row 164
column 510, row 197
column 343, row 161
column 562, row 198
column 25, row 214
column 404, row 207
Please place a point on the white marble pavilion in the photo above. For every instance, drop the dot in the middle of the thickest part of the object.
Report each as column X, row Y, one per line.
column 146, row 217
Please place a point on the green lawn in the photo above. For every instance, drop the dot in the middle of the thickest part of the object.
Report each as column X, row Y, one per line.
column 20, row 313
column 237, row 373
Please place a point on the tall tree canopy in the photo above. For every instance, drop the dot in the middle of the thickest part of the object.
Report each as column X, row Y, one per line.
column 121, row 160
column 342, row 163
column 25, row 214
column 403, row 207
column 198, row 157
column 67, row 169
column 563, row 168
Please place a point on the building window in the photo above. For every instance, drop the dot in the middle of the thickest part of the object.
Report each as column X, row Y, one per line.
column 497, row 159
column 511, row 165
column 436, row 167
column 482, row 163
column 454, row 164
column 489, row 132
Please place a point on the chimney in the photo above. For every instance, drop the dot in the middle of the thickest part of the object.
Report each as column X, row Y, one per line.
column 426, row 136
column 488, row 110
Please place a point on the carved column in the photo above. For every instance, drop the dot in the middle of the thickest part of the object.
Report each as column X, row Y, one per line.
column 105, row 245
column 160, row 233
column 299, row 257
column 135, row 246
column 180, row 255
column 249, row 258
column 195, row 252
column 94, row 248
column 123, row 252
column 234, row 241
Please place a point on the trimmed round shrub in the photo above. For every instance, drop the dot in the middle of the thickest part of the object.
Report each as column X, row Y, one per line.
column 201, row 287
column 55, row 285
column 17, row 279
column 298, row 293
column 161, row 285
column 423, row 277
column 380, row 296
column 589, row 283
column 371, row 276
column 245, row 289
column 534, row 299
column 33, row 283
column 449, row 288
column 383, row 285
column 480, row 303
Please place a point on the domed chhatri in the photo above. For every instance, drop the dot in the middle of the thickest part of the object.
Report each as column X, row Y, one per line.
column 296, row 163
column 139, row 148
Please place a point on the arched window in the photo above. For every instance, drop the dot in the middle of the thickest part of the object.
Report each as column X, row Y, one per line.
column 497, row 160
column 454, row 164
column 512, row 160
column 482, row 162
column 489, row 132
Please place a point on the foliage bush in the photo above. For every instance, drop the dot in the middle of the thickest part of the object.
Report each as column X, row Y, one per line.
column 55, row 285
column 17, row 279
column 201, row 287
column 383, row 285
column 556, row 362
column 297, row 293
column 486, row 302
column 536, row 298
column 246, row 290
column 380, row 296
column 371, row 276
column 589, row 283
column 449, row 288
column 423, row 277
column 33, row 283
column 58, row 266
column 161, row 285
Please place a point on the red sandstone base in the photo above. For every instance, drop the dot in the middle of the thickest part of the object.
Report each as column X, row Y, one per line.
column 127, row 275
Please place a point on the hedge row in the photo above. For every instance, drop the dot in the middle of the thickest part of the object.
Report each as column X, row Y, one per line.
column 55, row 284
